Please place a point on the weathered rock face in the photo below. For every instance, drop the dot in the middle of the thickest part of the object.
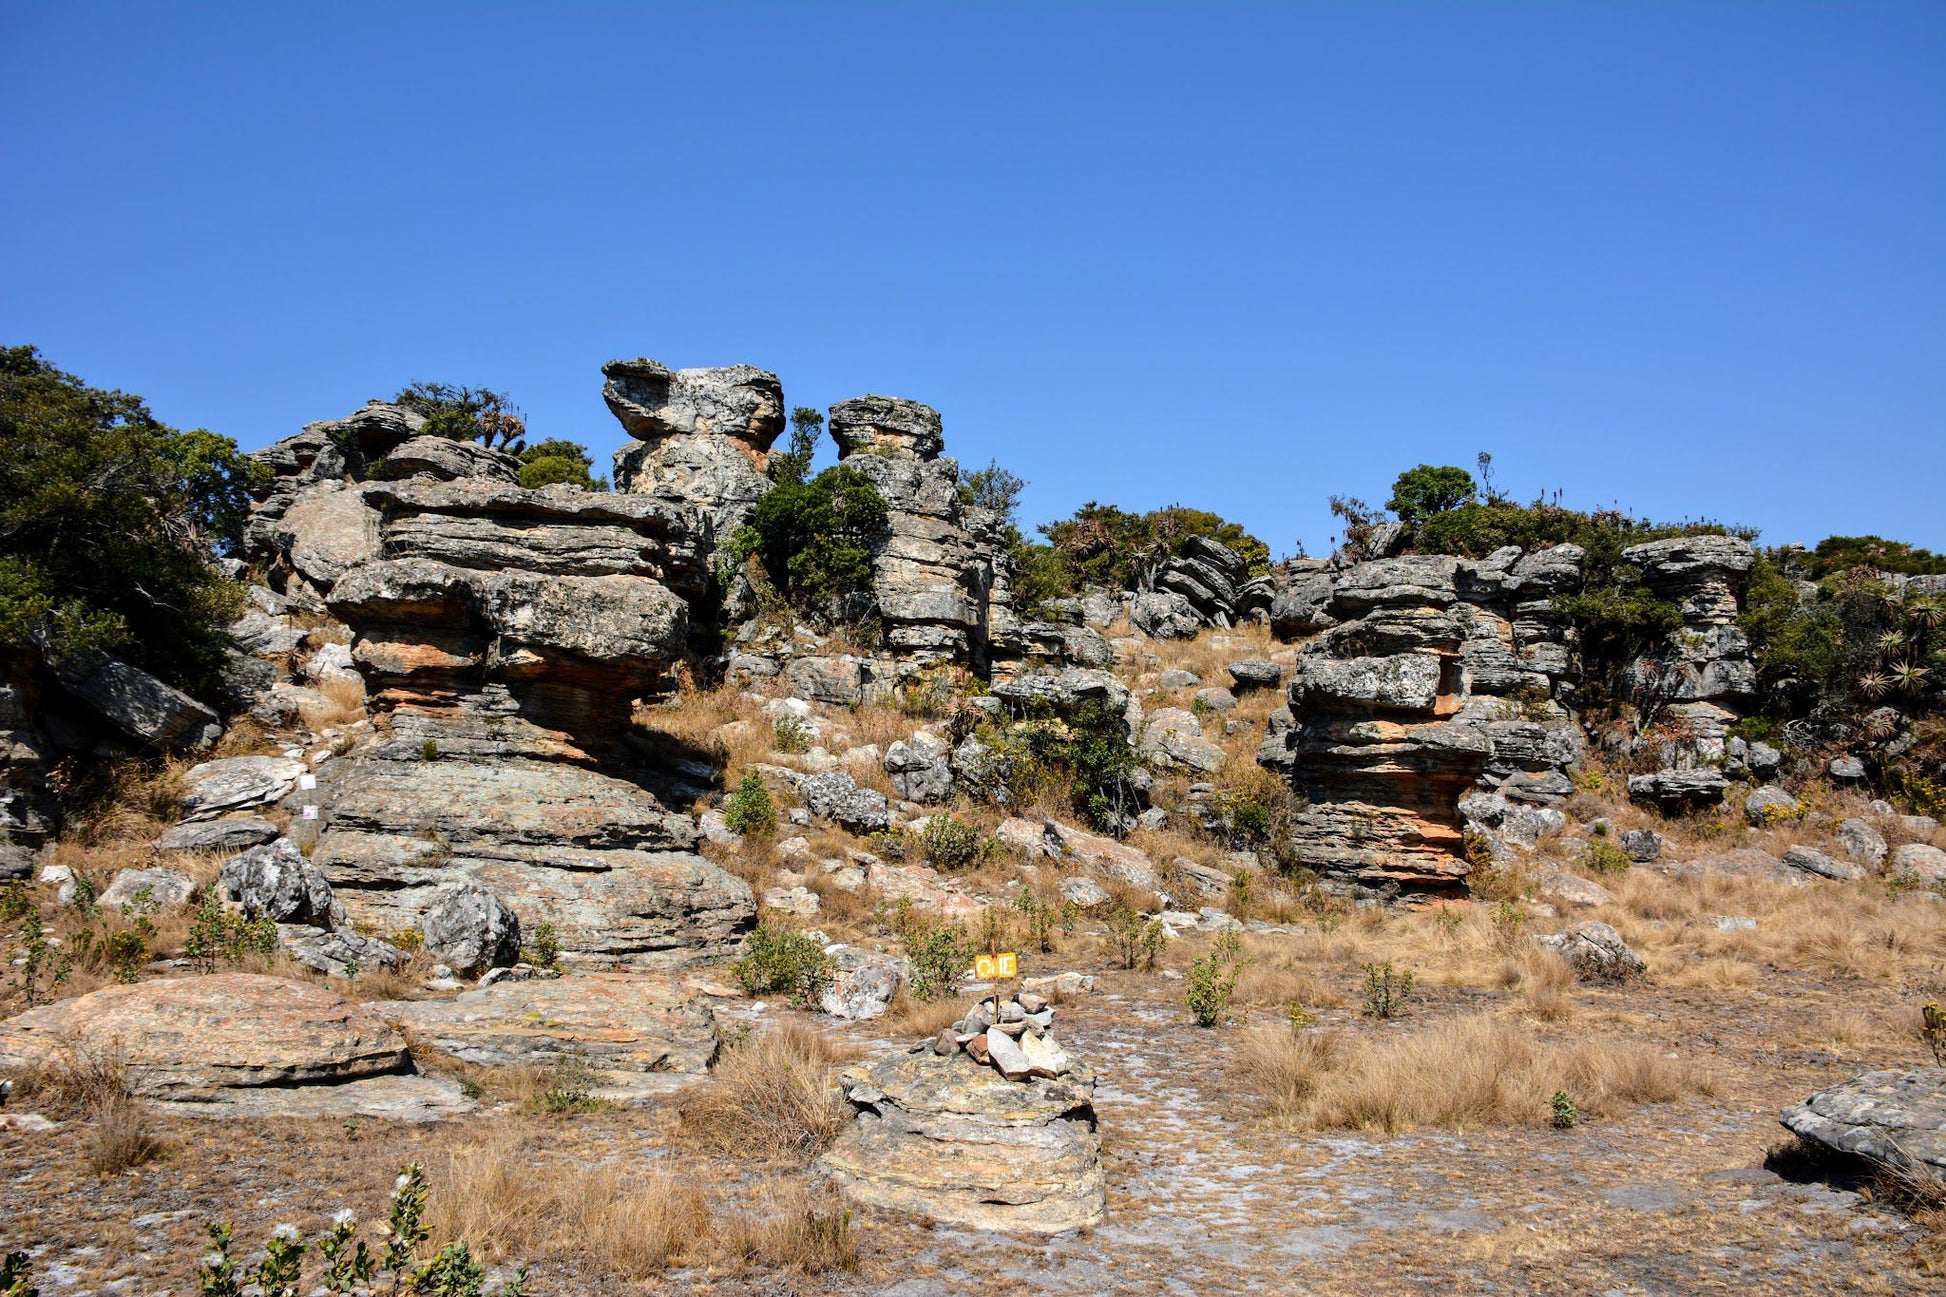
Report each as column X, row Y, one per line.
column 1215, row 582
column 498, row 801
column 949, row 1138
column 702, row 438
column 1896, row 1119
column 276, row 882
column 137, row 704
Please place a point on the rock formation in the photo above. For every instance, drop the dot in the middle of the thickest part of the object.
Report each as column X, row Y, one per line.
column 702, row 438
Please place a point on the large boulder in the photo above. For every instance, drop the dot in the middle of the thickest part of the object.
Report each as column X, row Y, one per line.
column 276, row 882
column 471, row 929
column 1174, row 738
column 1164, row 614
column 921, row 768
column 954, row 1141
column 150, row 890
column 187, row 1039
column 136, row 703
column 702, row 436
column 230, row 834
column 1896, row 1119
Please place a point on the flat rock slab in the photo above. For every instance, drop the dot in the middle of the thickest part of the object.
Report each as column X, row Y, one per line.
column 1893, row 1118
column 950, row 1139
column 398, row 1097
column 233, row 834
column 648, row 1033
column 234, row 783
column 190, row 1039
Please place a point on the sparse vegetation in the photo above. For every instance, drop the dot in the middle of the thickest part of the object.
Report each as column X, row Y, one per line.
column 1386, row 989
column 778, row 959
column 772, row 1097
column 750, row 812
column 1137, row 941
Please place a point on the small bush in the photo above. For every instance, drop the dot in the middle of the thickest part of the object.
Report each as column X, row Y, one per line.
column 1386, row 989
column 789, row 734
column 780, row 960
column 547, row 946
column 1211, row 984
column 1605, row 857
column 1044, row 919
column 1564, row 1113
column 219, row 936
column 571, row 1085
column 937, row 952
column 750, row 812
column 1137, row 941
column 951, row 843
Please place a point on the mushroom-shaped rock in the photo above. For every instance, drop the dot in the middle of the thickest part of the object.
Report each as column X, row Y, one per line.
column 886, row 425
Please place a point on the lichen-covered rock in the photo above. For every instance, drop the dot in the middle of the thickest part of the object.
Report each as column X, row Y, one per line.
column 215, row 788
column 471, row 929
column 836, row 796
column 1918, row 861
column 1595, row 951
column 863, row 983
column 136, row 703
column 1813, row 861
column 1896, row 1119
column 230, row 834
column 339, row 954
column 1770, row 805
column 921, row 768
column 1164, row 614
column 954, row 1141
column 702, row 436
column 1863, row 843
column 1173, row 737
column 1675, row 791
column 152, row 890
column 276, row 882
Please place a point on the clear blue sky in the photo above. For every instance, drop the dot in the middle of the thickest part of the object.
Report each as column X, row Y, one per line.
column 1689, row 257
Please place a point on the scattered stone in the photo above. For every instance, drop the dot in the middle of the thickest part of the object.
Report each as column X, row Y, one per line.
column 800, row 901
column 863, row 982
column 231, row 834
column 1642, row 845
column 1174, row 737
column 1216, row 699
column 1846, row 770
column 1595, row 951
column 1735, row 923
column 1252, row 674
column 1896, row 1119
column 1862, row 842
column 1007, row 1055
column 1812, row 861
column 276, row 882
column 1175, row 678
column 1770, row 805
column 167, row 889
column 1676, row 791
column 1085, row 893
column 1919, row 860
column 471, row 929
column 837, row 797
column 337, row 954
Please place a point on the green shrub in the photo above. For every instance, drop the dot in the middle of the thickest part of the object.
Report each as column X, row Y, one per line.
column 547, row 946
column 952, row 843
column 1386, row 989
column 546, row 463
column 1137, row 941
column 778, row 960
column 789, row 734
column 815, row 538
column 937, row 951
column 220, row 936
column 1044, row 919
column 749, row 812
column 1109, row 546
column 1211, row 983
column 460, row 413
column 1564, row 1113
column 1602, row 856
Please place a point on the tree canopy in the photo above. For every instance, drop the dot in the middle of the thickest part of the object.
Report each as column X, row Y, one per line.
column 1421, row 492
column 556, row 460
column 109, row 522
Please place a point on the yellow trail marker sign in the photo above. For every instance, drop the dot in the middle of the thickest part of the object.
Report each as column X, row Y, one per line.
column 990, row 968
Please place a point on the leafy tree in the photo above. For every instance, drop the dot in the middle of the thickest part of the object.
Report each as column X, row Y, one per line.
column 1838, row 553
column 1421, row 492
column 794, row 465
column 1103, row 544
column 814, row 538
column 109, row 520
column 466, row 414
column 556, row 460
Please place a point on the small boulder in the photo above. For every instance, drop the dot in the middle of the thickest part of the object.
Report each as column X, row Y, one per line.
column 234, row 783
column 1252, row 674
column 1862, row 842
column 1216, row 699
column 337, row 954
column 1812, row 861
column 921, row 769
column 1174, row 737
column 1917, row 860
column 1846, row 770
column 863, row 983
column 471, row 929
column 167, row 889
column 1085, row 893
column 1770, row 805
column 1175, row 678
column 276, row 882
column 1595, row 951
column 1642, row 845
column 1895, row 1119
column 836, row 796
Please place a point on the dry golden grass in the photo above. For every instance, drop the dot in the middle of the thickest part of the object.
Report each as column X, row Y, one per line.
column 910, row 1016
column 340, row 702
column 91, row 1087
column 1463, row 1073
column 773, row 1098
column 489, row 1193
